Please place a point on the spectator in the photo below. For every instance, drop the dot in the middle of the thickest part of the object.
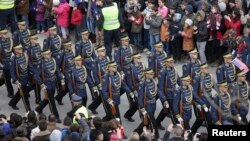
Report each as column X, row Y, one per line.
column 189, row 14
column 65, row 130
column 52, row 123
column 200, row 137
column 98, row 33
column 62, row 14
column 55, row 135
column 44, row 134
column 4, row 125
column 165, row 35
column 97, row 135
column 76, row 20
column 15, row 121
column 163, row 10
column 36, row 130
column 234, row 22
column 40, row 11
column 30, row 123
column 22, row 11
column 48, row 16
column 134, row 137
column 176, row 134
column 21, row 133
column 98, row 126
column 154, row 20
column 187, row 35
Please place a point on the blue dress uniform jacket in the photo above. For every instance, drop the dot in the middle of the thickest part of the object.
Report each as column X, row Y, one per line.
column 23, row 65
column 6, row 51
column 226, row 103
column 137, row 74
column 86, row 50
column 155, row 61
column 243, row 95
column 22, row 37
column 100, row 68
column 67, row 61
column 191, row 68
column 78, row 78
column 226, row 72
column 116, row 85
column 168, row 78
column 35, row 56
column 149, row 89
column 185, row 95
column 55, row 45
column 51, row 72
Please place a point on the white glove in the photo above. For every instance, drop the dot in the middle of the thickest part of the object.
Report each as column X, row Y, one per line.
column 18, row 84
column 205, row 109
column 180, row 119
column 111, row 102
column 144, row 113
column 135, row 93
column 199, row 107
column 132, row 95
column 43, row 87
column 166, row 105
column 239, row 117
column 62, row 82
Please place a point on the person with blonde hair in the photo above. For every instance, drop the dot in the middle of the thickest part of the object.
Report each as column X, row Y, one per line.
column 134, row 136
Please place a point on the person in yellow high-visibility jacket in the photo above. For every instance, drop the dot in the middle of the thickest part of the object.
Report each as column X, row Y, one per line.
column 111, row 23
column 7, row 14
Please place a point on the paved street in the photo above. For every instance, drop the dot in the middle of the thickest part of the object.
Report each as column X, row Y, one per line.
column 129, row 127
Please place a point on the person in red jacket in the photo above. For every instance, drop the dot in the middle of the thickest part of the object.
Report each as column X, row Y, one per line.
column 76, row 20
column 234, row 22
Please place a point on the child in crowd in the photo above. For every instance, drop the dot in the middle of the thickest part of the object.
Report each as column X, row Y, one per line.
column 76, row 20
column 187, row 34
column 97, row 14
column 40, row 11
column 165, row 35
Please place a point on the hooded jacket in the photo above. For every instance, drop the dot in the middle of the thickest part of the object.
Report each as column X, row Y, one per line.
column 202, row 33
column 62, row 14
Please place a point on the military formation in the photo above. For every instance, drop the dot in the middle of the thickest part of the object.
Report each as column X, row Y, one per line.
column 56, row 70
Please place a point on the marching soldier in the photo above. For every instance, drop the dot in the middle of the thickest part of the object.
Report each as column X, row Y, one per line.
column 21, row 68
column 224, row 107
column 84, row 47
column 99, row 69
column 21, row 36
column 122, row 57
column 49, row 71
column 147, row 95
column 6, row 44
column 77, row 80
column 112, row 83
column 203, row 84
column 192, row 67
column 227, row 71
column 168, row 79
column 65, row 66
column 156, row 58
column 35, row 57
column 182, row 102
column 242, row 95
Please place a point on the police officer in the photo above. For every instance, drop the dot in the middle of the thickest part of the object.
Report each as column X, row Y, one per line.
column 203, row 84
column 49, row 71
column 65, row 66
column 84, row 47
column 112, row 84
column 242, row 95
column 99, row 69
column 227, row 71
column 182, row 102
column 6, row 45
column 155, row 59
column 147, row 93
column 122, row 56
column 21, row 68
column 192, row 67
column 168, row 79
column 21, row 36
column 77, row 80
column 35, row 57
column 224, row 107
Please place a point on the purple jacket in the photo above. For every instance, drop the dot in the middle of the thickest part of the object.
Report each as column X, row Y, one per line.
column 40, row 11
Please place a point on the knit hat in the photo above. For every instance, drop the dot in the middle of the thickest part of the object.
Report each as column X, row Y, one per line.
column 202, row 14
column 74, row 136
column 189, row 22
column 55, row 135
column 190, row 9
column 222, row 6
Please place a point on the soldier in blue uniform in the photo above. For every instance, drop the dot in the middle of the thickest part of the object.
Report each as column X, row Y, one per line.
column 203, row 84
column 6, row 44
column 21, row 36
column 99, row 70
column 156, row 58
column 182, row 102
column 65, row 67
column 35, row 57
column 122, row 57
column 48, row 72
column 192, row 67
column 77, row 80
column 21, row 68
column 84, row 47
column 224, row 109
column 112, row 84
column 168, row 79
column 147, row 95
column 227, row 71
column 242, row 95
